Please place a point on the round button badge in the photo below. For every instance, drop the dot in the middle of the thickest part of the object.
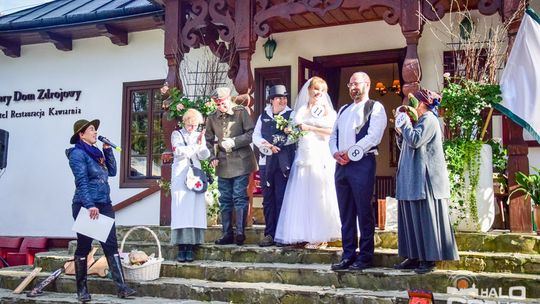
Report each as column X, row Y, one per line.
column 265, row 150
column 401, row 119
column 355, row 153
column 317, row 111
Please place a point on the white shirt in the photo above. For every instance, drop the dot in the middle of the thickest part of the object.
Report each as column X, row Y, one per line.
column 349, row 124
column 257, row 138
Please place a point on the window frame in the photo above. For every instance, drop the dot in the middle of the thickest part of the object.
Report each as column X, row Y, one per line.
column 127, row 88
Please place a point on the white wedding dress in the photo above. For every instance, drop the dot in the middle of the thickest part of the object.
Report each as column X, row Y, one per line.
column 310, row 210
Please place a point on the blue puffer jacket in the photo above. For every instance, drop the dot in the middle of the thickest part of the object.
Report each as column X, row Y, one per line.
column 91, row 185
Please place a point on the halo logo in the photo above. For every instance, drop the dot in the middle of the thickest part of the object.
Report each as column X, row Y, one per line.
column 461, row 287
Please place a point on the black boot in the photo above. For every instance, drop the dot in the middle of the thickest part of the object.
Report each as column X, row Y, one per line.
column 181, row 253
column 115, row 266
column 226, row 221
column 189, row 253
column 241, row 219
column 81, row 270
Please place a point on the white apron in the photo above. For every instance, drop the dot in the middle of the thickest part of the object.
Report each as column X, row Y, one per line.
column 188, row 209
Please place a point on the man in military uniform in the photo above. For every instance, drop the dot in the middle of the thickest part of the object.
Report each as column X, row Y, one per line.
column 228, row 136
column 276, row 157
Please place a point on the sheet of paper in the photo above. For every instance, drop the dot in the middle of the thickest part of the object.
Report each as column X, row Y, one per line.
column 97, row 229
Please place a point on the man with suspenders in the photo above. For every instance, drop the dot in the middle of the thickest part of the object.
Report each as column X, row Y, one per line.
column 358, row 130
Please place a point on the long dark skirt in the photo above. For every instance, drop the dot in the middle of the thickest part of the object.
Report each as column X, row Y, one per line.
column 424, row 229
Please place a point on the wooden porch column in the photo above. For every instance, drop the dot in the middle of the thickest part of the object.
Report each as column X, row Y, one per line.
column 245, row 46
column 412, row 30
column 174, row 55
column 520, row 208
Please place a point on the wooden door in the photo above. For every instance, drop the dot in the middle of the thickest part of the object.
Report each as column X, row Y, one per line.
column 308, row 69
column 266, row 78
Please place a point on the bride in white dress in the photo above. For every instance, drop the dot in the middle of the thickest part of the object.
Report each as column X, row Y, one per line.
column 310, row 210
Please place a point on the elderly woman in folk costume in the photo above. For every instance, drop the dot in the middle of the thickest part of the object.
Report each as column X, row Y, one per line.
column 425, row 234
column 188, row 208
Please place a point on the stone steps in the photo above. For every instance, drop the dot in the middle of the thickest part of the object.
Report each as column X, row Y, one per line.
column 474, row 261
column 494, row 262
column 321, row 275
column 497, row 241
column 7, row 296
column 234, row 292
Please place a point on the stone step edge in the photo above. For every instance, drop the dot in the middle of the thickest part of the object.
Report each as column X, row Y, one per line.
column 337, row 250
column 381, row 271
column 315, row 290
column 59, row 297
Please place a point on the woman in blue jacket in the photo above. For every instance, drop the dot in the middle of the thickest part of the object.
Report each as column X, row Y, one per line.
column 91, row 169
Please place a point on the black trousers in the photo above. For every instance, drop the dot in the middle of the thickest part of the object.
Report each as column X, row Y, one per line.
column 84, row 243
column 273, row 184
column 354, row 187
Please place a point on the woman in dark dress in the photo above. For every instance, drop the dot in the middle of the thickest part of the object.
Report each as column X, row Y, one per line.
column 425, row 233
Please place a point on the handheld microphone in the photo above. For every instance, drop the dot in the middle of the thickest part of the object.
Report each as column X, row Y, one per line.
column 105, row 140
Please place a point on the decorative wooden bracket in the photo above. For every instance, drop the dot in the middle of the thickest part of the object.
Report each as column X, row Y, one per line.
column 118, row 36
column 61, row 42
column 11, row 49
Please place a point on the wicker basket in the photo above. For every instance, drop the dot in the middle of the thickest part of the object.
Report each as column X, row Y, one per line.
column 147, row 271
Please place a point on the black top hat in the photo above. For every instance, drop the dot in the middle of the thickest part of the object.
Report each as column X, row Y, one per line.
column 277, row 90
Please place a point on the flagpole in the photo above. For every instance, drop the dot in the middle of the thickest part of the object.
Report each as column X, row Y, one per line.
column 486, row 124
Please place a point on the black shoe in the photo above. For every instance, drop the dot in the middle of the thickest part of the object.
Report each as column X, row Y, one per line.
column 344, row 264
column 225, row 240
column 425, row 267
column 240, row 238
column 181, row 257
column 267, row 241
column 117, row 272
column 409, row 264
column 358, row 265
column 189, row 253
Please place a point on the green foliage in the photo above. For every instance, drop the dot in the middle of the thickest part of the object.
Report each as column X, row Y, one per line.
column 463, row 100
column 165, row 185
column 463, row 160
column 282, row 124
column 500, row 156
column 180, row 104
column 530, row 184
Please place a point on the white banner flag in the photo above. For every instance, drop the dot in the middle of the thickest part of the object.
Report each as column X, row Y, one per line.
column 520, row 82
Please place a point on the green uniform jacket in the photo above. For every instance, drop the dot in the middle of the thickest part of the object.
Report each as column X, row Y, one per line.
column 239, row 127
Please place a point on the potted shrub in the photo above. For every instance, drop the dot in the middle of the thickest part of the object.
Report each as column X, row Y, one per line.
column 530, row 185
column 469, row 159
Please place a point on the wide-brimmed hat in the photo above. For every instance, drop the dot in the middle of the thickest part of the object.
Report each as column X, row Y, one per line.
column 221, row 93
column 277, row 90
column 80, row 125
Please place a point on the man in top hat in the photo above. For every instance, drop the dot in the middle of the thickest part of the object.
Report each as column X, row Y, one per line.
column 228, row 136
column 275, row 161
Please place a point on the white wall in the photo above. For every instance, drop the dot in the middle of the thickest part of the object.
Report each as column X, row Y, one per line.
column 327, row 41
column 37, row 187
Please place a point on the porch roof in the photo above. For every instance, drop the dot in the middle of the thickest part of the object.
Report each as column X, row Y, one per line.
column 61, row 13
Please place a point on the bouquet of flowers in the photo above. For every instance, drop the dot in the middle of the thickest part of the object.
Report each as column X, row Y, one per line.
column 287, row 126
